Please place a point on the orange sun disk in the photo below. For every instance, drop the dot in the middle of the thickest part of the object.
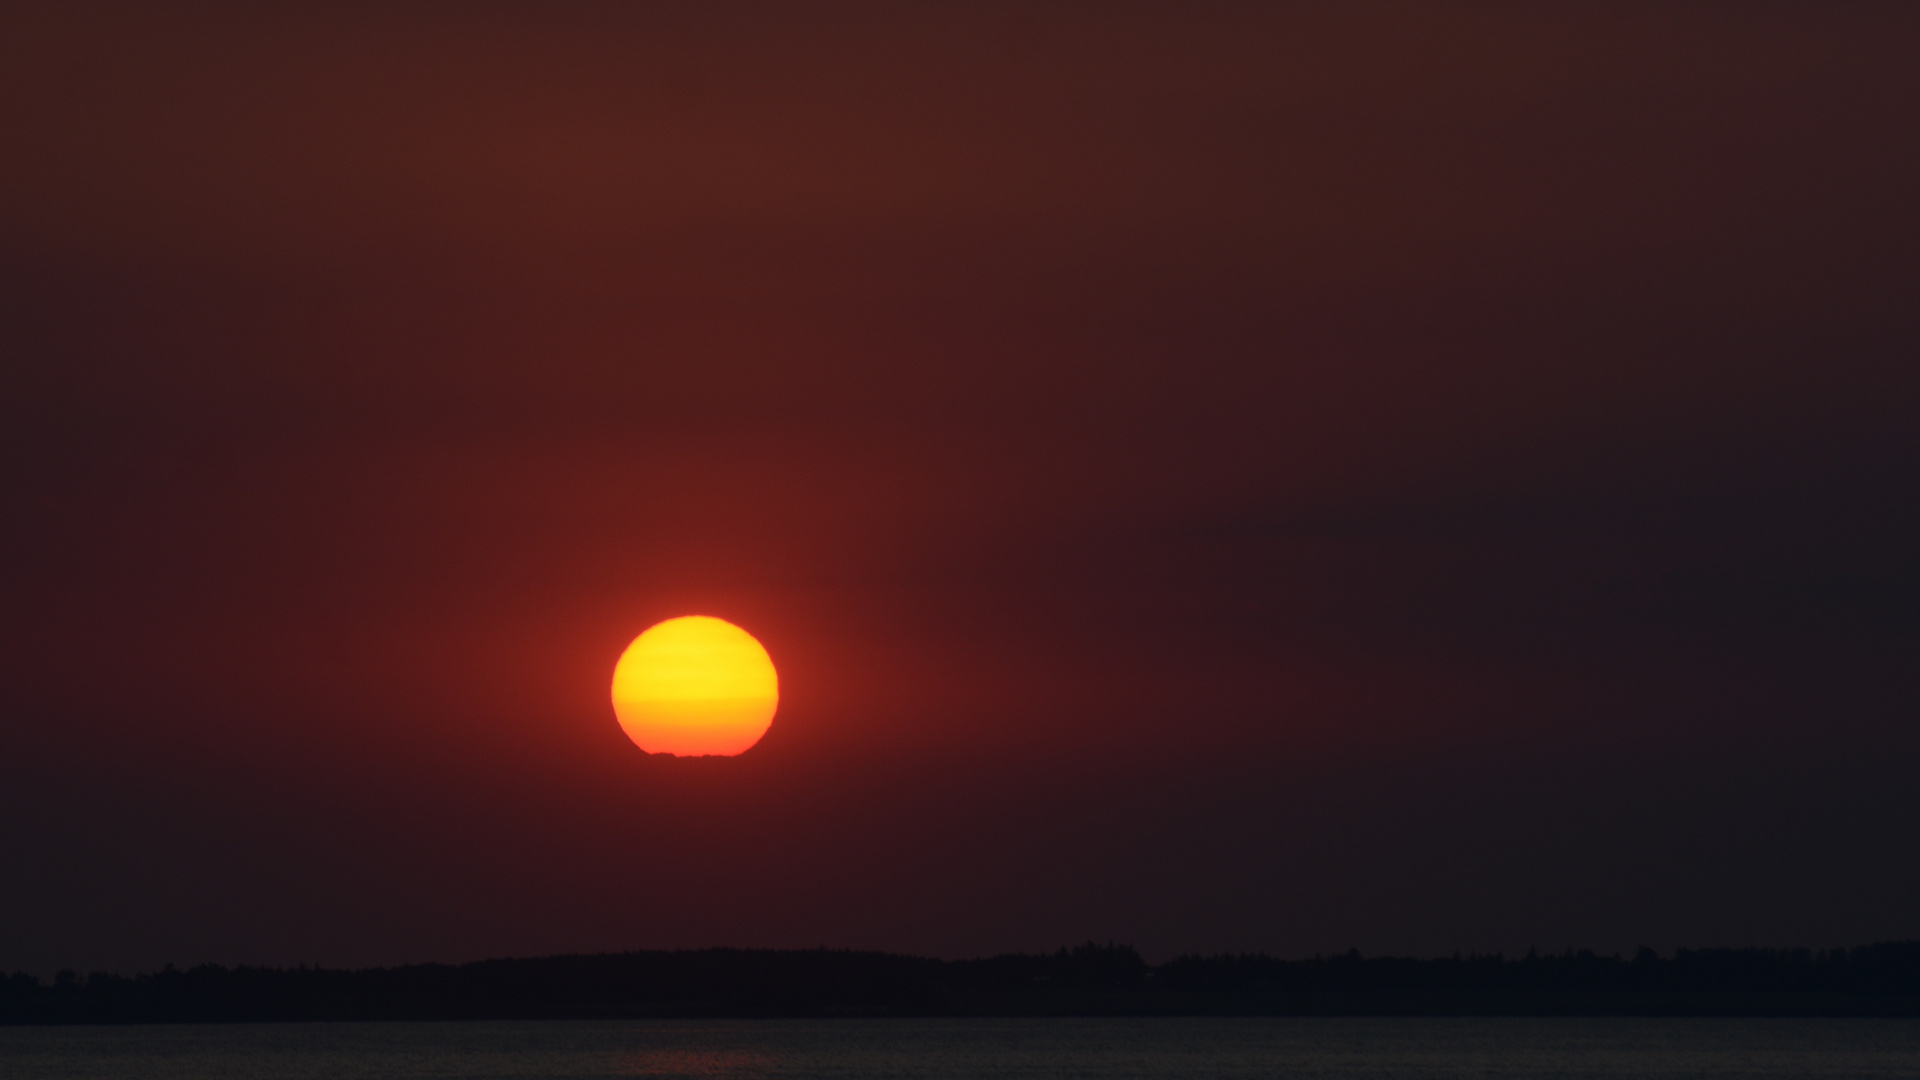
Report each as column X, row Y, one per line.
column 695, row 686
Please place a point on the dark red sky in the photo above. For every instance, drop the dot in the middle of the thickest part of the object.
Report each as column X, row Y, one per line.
column 1408, row 477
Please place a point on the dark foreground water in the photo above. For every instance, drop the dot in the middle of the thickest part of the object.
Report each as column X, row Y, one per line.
column 1150, row 1049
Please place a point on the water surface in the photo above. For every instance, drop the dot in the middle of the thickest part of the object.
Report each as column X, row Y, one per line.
column 1147, row 1049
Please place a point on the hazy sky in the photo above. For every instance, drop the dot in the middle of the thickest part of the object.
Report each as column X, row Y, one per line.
column 1414, row 477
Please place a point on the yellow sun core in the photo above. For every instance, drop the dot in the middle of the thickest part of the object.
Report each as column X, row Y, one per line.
column 695, row 686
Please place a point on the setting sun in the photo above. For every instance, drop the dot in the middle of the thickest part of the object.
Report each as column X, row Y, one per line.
column 693, row 686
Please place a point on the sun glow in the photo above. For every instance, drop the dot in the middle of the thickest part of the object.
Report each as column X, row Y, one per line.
column 693, row 686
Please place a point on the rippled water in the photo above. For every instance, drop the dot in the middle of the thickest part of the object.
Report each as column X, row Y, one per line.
column 859, row 1049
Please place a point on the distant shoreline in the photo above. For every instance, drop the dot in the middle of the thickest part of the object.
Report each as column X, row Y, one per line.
column 1091, row 980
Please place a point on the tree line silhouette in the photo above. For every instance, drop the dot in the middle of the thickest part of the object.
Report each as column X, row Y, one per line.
column 1090, row 980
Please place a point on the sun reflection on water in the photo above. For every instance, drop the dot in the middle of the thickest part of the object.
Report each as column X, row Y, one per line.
column 702, row 1063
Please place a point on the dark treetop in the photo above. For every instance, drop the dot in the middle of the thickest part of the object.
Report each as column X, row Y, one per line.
column 1874, row 980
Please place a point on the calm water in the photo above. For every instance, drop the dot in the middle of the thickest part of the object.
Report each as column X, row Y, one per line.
column 862, row 1049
